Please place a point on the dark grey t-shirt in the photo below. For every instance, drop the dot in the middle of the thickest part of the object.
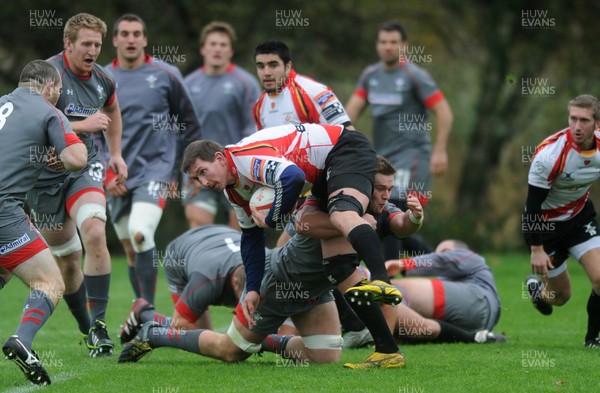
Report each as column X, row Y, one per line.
column 224, row 103
column 81, row 97
column 399, row 100
column 29, row 125
column 212, row 251
column 157, row 113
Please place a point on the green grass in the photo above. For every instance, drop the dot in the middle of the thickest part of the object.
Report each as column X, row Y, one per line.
column 544, row 354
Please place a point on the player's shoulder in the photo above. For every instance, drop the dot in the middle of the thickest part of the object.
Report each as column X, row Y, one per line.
column 103, row 74
column 161, row 66
column 552, row 144
column 415, row 71
column 58, row 61
column 372, row 70
column 34, row 105
column 194, row 75
column 309, row 84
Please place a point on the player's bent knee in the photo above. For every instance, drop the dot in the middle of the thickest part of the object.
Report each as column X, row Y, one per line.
column 342, row 203
column 339, row 267
column 122, row 227
column 68, row 248
column 143, row 221
column 90, row 210
column 241, row 342
column 323, row 341
column 323, row 348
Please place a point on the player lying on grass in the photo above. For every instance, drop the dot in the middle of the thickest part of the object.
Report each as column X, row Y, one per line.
column 460, row 304
column 387, row 219
column 293, row 286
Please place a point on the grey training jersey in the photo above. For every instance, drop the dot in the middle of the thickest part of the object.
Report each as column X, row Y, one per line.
column 157, row 112
column 29, row 125
column 299, row 262
column 459, row 265
column 224, row 103
column 399, row 100
column 80, row 97
column 211, row 250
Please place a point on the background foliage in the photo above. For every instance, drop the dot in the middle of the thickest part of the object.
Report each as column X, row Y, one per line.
column 482, row 57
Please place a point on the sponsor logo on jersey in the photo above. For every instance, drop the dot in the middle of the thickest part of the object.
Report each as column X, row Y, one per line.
column 333, row 111
column 79, row 111
column 151, row 79
column 590, row 229
column 568, row 176
column 101, row 93
column 256, row 168
column 324, row 98
column 271, row 171
column 227, row 87
column 5, row 249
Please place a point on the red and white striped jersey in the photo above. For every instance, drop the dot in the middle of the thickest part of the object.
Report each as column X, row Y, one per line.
column 300, row 100
column 260, row 159
column 568, row 172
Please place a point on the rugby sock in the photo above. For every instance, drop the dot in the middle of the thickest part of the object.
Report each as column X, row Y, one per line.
column 77, row 302
column 348, row 318
column 275, row 343
column 161, row 336
column 152, row 315
column 97, row 290
column 135, row 285
column 593, row 310
column 372, row 316
column 38, row 309
column 364, row 240
column 450, row 333
column 146, row 271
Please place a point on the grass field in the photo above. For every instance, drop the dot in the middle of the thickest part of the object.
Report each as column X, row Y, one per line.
column 544, row 354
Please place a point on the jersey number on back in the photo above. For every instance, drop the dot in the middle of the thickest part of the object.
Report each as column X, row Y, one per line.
column 5, row 111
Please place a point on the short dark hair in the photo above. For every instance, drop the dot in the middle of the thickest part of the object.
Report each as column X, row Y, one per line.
column 202, row 149
column 384, row 166
column 586, row 101
column 39, row 71
column 393, row 25
column 129, row 18
column 274, row 47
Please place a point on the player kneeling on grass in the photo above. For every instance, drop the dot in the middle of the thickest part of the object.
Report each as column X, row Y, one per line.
column 293, row 286
column 35, row 134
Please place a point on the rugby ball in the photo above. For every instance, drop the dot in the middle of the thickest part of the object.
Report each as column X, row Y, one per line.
column 262, row 199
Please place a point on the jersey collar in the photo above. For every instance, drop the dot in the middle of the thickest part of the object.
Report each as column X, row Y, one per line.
column 576, row 148
column 147, row 60
column 232, row 168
